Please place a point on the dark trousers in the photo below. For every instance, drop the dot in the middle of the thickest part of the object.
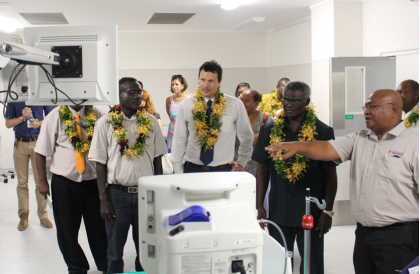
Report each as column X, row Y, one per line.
column 126, row 213
column 385, row 249
column 193, row 168
column 72, row 201
column 317, row 245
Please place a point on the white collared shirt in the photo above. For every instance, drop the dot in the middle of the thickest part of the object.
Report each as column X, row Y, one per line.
column 54, row 142
column 122, row 170
column 414, row 128
column 235, row 122
column 384, row 175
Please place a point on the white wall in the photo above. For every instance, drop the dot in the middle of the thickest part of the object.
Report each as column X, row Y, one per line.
column 288, row 54
column 390, row 25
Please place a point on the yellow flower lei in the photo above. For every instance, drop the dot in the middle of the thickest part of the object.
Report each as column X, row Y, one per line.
column 412, row 119
column 293, row 171
column 275, row 105
column 208, row 133
column 70, row 128
column 145, row 127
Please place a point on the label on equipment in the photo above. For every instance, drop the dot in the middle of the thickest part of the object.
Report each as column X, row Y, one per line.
column 196, row 264
column 244, row 241
column 220, row 268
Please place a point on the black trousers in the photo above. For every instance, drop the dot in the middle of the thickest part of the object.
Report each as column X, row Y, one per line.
column 71, row 202
column 385, row 249
column 297, row 233
column 193, row 168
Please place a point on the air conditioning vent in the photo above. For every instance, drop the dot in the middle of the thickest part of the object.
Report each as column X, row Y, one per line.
column 45, row 18
column 69, row 38
column 170, row 18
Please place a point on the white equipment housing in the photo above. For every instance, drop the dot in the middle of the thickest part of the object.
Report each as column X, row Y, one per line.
column 232, row 233
column 97, row 78
column 6, row 68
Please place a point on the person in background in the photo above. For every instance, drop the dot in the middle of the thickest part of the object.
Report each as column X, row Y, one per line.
column 148, row 104
column 65, row 136
column 251, row 98
column 26, row 135
column 209, row 121
column 289, row 179
column 120, row 164
column 271, row 102
column 409, row 92
column 384, row 183
column 241, row 88
column 178, row 87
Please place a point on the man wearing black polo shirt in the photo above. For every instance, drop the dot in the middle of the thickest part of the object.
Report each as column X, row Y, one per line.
column 287, row 199
column 26, row 134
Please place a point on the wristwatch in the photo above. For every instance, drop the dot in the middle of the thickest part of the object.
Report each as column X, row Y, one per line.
column 21, row 119
column 329, row 213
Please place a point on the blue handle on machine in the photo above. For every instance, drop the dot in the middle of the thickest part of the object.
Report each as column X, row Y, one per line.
column 192, row 214
column 413, row 264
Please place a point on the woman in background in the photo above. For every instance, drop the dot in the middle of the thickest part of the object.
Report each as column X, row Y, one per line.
column 147, row 103
column 178, row 86
column 241, row 88
column 251, row 98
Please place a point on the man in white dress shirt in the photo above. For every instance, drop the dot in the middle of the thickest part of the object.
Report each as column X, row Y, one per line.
column 187, row 153
column 409, row 92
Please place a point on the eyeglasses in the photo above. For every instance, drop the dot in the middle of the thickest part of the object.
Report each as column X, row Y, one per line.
column 134, row 92
column 370, row 107
column 293, row 102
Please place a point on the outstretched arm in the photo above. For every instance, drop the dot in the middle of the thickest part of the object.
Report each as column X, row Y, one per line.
column 318, row 150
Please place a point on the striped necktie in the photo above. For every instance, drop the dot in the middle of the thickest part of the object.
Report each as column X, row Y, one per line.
column 79, row 159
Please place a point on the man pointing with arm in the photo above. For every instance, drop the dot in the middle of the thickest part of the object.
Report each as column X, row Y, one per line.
column 384, row 178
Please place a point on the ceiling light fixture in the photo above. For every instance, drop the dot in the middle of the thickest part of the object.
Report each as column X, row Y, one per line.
column 7, row 24
column 249, row 22
column 231, row 4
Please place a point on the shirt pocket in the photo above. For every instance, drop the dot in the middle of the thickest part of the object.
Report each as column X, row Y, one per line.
column 227, row 124
column 391, row 167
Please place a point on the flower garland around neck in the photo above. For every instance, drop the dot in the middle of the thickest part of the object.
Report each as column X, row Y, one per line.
column 412, row 119
column 145, row 127
column 208, row 132
column 274, row 103
column 293, row 171
column 70, row 128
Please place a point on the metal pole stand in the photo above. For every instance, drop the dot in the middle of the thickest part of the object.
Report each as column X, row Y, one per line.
column 308, row 224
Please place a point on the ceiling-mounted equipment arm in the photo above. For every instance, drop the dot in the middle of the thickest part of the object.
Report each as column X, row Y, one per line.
column 29, row 55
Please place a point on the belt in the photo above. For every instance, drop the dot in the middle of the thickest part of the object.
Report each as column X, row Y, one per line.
column 393, row 225
column 203, row 167
column 26, row 140
column 129, row 189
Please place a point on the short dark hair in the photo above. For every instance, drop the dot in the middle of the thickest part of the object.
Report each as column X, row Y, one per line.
column 412, row 85
column 213, row 67
column 283, row 79
column 129, row 79
column 181, row 79
column 298, row 85
column 241, row 85
column 256, row 95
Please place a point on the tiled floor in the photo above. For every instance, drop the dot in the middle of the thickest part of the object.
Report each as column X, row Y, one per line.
column 36, row 251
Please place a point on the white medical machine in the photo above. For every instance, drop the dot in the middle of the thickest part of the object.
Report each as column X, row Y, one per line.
column 204, row 223
column 68, row 64
column 20, row 86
